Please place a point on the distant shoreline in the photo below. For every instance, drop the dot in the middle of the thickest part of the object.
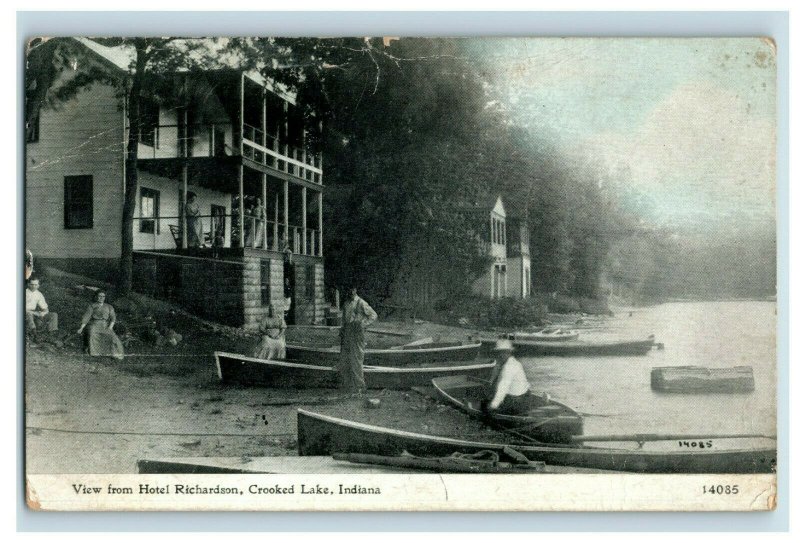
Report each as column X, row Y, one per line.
column 690, row 300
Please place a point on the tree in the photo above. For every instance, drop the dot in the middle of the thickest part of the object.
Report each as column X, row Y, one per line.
column 152, row 63
column 408, row 126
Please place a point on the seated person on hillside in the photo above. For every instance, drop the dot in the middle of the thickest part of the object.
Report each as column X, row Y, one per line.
column 97, row 327
column 273, row 336
column 37, row 315
column 510, row 386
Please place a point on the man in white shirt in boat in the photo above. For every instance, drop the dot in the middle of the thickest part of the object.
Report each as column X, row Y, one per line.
column 37, row 315
column 510, row 386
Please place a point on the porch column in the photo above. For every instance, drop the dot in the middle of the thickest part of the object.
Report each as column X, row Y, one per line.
column 185, row 182
column 305, row 224
column 241, row 205
column 264, row 128
column 264, row 209
column 285, row 143
column 275, row 246
column 286, row 213
column 241, row 115
column 319, row 222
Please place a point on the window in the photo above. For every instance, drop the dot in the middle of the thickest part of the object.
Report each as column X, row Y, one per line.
column 275, row 115
column 78, row 201
column 149, row 211
column 148, row 122
column 265, row 282
column 219, row 141
column 310, row 282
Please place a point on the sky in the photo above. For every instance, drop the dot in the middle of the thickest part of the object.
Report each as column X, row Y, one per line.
column 685, row 128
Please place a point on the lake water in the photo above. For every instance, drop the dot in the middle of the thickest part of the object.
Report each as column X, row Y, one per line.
column 713, row 334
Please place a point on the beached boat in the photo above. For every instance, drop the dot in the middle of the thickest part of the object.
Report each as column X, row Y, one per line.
column 243, row 370
column 548, row 421
column 405, row 355
column 319, row 434
column 702, row 379
column 524, row 347
column 556, row 334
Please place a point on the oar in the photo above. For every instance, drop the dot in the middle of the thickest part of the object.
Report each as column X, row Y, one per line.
column 520, row 435
column 641, row 438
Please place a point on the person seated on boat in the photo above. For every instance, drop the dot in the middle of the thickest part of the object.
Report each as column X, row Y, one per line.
column 273, row 336
column 510, row 386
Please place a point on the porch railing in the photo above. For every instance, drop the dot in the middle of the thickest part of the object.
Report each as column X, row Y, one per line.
column 194, row 140
column 224, row 231
column 267, row 149
column 219, row 139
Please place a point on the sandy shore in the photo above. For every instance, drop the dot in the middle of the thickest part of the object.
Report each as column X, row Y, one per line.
column 98, row 415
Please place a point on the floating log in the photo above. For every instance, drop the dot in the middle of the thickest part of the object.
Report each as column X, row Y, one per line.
column 698, row 379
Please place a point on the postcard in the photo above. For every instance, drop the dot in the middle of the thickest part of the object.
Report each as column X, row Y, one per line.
column 400, row 274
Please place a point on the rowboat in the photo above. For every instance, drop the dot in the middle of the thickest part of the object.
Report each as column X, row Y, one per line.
column 319, row 434
column 548, row 421
column 702, row 379
column 545, row 335
column 406, row 355
column 244, row 370
column 447, row 464
column 526, row 347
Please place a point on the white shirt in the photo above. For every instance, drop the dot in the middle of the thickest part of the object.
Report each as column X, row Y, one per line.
column 34, row 301
column 512, row 380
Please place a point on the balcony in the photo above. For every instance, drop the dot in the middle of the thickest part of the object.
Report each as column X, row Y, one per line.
column 268, row 150
column 209, row 140
column 224, row 232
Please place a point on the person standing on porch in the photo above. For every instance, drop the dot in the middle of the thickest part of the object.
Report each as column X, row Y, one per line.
column 273, row 336
column 259, row 212
column 357, row 316
column 194, row 222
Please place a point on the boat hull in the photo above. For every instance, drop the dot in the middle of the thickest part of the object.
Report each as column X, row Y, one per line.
column 542, row 336
column 582, row 348
column 237, row 369
column 408, row 356
column 548, row 421
column 324, row 435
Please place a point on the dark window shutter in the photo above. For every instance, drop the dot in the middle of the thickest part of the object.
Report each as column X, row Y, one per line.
column 78, row 202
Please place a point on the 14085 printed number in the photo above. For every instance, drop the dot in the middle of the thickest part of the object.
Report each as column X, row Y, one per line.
column 720, row 489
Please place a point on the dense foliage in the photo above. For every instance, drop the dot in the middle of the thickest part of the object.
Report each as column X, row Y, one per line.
column 412, row 141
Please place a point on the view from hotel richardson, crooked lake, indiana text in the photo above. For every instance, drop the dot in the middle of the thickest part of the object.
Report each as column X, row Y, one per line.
column 339, row 274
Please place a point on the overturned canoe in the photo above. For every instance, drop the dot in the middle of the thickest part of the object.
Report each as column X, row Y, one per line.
column 548, row 421
column 319, row 434
column 406, row 355
column 702, row 379
column 243, row 370
column 523, row 347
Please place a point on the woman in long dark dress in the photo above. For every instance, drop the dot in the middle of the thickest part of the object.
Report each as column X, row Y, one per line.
column 97, row 327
